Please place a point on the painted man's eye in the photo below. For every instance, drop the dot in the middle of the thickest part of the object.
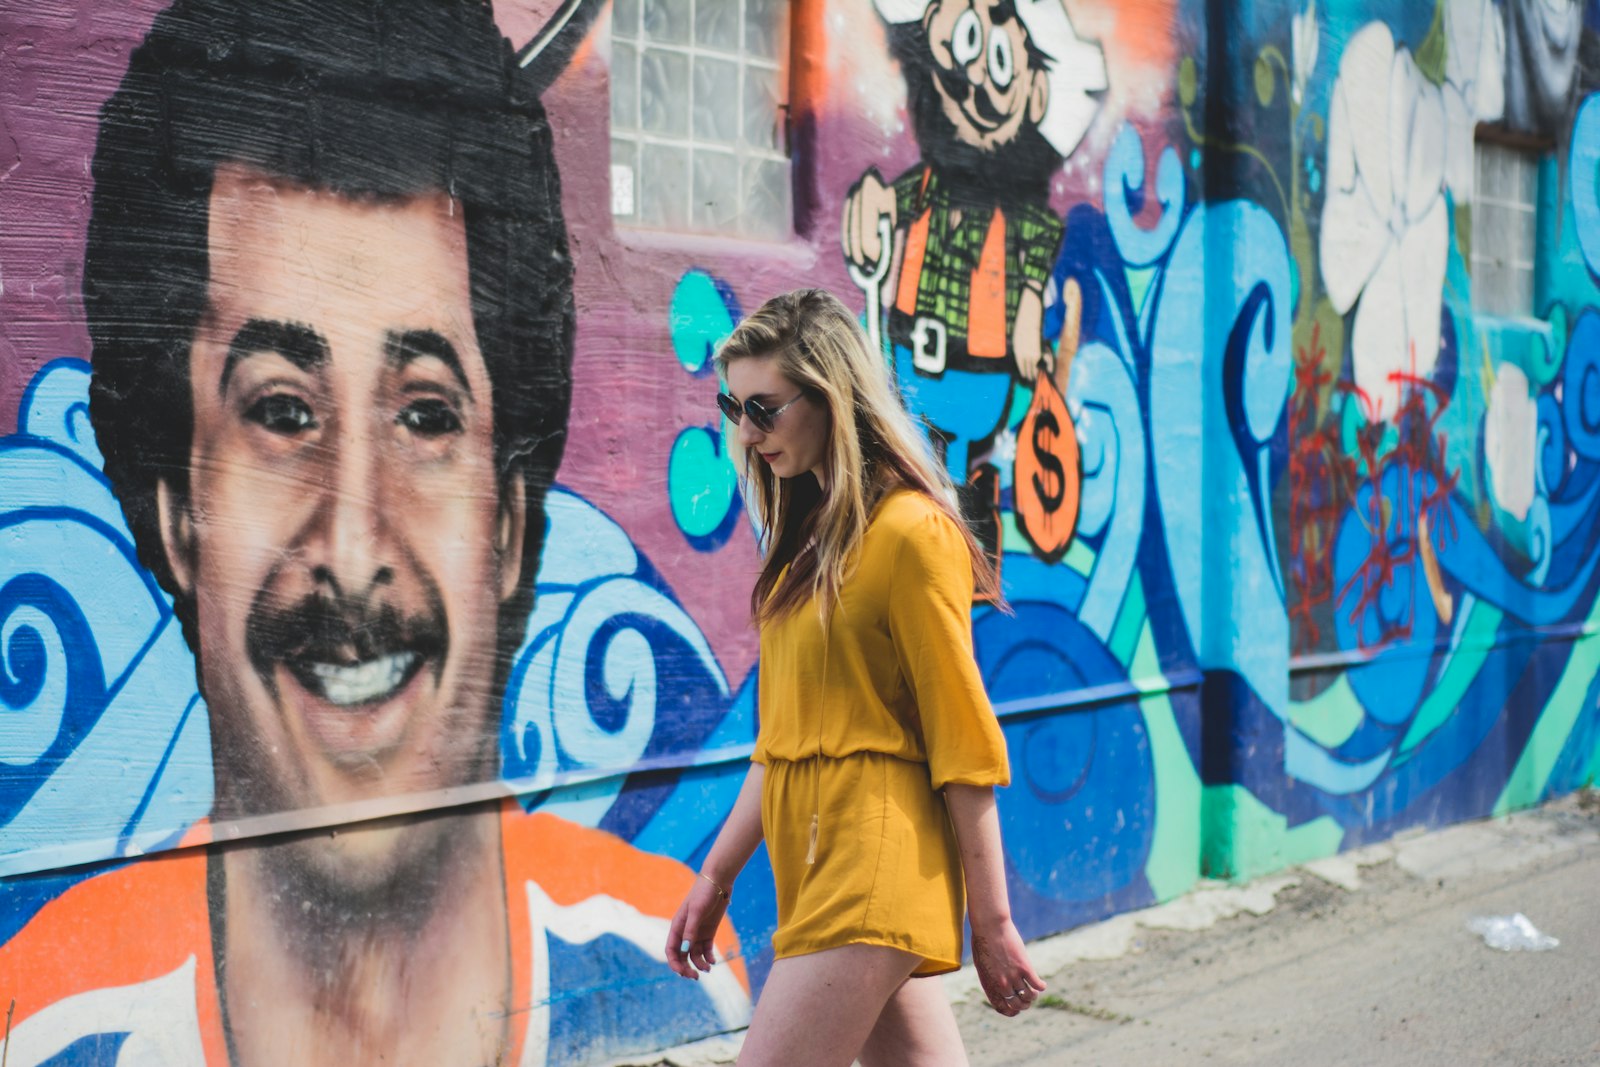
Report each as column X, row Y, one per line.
column 1001, row 70
column 430, row 417
column 966, row 42
column 282, row 413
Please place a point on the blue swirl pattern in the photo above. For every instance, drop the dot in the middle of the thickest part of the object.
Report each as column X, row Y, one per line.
column 105, row 750
column 613, row 674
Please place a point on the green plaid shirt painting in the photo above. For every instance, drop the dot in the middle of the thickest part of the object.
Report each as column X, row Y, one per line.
column 1033, row 234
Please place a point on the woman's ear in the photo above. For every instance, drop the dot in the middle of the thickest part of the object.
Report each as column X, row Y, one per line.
column 510, row 532
column 176, row 524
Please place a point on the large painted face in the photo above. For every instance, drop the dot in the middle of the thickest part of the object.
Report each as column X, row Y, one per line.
column 799, row 439
column 983, row 76
column 343, row 536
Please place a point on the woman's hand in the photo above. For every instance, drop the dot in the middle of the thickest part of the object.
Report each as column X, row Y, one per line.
column 694, row 929
column 1008, row 979
column 691, row 938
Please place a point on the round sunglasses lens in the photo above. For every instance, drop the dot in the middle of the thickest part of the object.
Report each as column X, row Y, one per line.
column 730, row 407
column 759, row 415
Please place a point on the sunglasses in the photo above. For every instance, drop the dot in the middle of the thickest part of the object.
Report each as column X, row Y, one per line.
column 761, row 415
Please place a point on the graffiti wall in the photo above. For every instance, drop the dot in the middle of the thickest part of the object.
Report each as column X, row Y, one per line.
column 374, row 594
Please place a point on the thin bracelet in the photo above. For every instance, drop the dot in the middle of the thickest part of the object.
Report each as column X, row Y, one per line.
column 721, row 892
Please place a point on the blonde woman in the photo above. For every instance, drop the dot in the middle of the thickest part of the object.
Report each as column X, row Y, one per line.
column 872, row 780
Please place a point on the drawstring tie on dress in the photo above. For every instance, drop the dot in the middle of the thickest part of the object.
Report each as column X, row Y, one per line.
column 816, row 767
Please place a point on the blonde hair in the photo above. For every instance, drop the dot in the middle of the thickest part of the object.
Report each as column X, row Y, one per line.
column 875, row 446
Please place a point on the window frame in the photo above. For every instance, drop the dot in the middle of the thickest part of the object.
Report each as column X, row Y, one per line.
column 1538, row 149
column 786, row 65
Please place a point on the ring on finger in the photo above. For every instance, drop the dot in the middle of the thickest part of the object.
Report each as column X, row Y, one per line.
column 1019, row 992
column 1009, row 996
column 683, row 949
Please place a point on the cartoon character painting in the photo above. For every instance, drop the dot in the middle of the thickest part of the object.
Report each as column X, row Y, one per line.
column 999, row 94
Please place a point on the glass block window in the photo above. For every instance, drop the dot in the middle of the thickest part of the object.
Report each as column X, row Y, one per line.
column 1504, row 221
column 696, row 116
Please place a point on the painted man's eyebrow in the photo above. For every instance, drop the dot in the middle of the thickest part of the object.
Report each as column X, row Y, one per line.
column 294, row 341
column 403, row 348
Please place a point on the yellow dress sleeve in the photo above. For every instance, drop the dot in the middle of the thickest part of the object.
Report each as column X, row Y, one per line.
column 930, row 620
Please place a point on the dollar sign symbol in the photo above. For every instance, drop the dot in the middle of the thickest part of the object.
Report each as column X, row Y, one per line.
column 1052, row 490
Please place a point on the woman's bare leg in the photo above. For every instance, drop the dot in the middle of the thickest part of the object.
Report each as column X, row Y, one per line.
column 916, row 1029
column 817, row 1010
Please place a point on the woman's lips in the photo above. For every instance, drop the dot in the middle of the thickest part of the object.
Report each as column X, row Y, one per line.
column 769, row 456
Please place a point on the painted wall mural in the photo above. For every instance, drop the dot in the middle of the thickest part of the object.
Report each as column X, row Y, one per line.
column 374, row 571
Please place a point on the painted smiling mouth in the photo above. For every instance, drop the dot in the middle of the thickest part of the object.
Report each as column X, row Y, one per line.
column 345, row 652
column 367, row 681
column 983, row 122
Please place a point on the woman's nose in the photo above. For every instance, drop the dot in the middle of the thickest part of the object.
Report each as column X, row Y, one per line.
column 749, row 432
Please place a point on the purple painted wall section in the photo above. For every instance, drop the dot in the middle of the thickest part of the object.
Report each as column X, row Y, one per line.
column 61, row 64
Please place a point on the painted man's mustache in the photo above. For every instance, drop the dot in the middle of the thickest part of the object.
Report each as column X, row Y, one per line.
column 953, row 82
column 329, row 641
column 958, row 88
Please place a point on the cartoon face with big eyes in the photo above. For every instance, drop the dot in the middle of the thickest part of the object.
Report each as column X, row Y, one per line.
column 989, row 77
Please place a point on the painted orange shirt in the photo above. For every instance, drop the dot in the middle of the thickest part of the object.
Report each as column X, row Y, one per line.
column 119, row 968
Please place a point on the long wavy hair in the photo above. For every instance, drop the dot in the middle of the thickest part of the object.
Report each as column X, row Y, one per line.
column 810, row 535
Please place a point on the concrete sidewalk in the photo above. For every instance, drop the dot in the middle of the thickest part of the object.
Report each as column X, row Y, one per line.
column 1361, row 959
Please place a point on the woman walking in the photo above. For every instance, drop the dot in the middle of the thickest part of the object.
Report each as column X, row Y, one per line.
column 873, row 775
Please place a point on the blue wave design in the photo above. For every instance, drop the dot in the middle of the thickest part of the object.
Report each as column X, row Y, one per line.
column 106, row 751
column 1249, row 377
column 613, row 673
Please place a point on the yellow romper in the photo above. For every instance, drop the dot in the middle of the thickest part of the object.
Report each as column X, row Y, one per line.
column 901, row 713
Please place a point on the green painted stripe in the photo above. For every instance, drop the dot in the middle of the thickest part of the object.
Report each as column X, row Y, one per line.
column 1529, row 777
column 1173, row 865
column 1139, row 279
column 1477, row 641
column 1011, row 537
column 1330, row 717
column 1080, row 557
column 1130, row 625
column 1246, row 838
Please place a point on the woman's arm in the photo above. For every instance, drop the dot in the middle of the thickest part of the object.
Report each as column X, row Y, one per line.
column 702, row 911
column 1008, row 979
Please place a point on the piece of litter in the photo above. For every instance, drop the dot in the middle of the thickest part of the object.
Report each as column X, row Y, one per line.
column 1510, row 933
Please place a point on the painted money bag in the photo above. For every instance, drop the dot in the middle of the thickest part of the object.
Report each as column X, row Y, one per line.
column 1048, row 474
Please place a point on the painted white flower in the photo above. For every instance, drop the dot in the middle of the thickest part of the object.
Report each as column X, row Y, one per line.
column 1304, row 38
column 1474, row 88
column 1385, row 230
column 1510, row 440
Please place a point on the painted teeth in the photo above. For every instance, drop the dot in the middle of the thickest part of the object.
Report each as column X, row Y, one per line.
column 362, row 683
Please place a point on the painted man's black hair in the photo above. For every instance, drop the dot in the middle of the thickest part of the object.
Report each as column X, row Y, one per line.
column 373, row 99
